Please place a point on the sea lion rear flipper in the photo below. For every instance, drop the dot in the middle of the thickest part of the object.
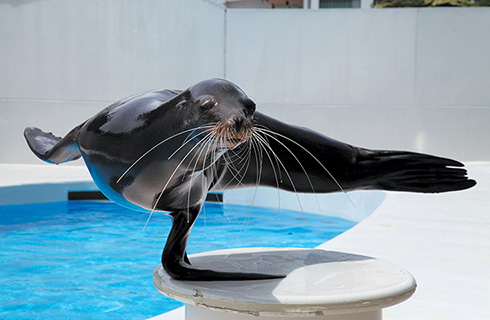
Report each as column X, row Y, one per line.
column 51, row 148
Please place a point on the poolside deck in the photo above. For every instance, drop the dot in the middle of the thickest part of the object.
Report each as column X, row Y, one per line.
column 443, row 240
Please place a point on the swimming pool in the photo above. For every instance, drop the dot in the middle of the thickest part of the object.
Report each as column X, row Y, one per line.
column 93, row 260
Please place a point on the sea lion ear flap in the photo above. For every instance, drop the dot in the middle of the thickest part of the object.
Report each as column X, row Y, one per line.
column 183, row 99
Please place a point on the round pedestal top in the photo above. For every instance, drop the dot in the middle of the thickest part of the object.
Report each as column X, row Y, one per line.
column 318, row 282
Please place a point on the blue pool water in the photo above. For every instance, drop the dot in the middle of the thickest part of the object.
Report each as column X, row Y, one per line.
column 93, row 260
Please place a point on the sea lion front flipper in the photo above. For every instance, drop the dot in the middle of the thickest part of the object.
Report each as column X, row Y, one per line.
column 411, row 171
column 298, row 159
column 174, row 255
column 50, row 148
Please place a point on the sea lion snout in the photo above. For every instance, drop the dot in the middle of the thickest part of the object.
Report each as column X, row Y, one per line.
column 238, row 123
column 234, row 131
column 239, row 126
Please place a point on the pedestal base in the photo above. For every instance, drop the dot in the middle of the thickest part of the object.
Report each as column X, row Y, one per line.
column 319, row 285
column 196, row 313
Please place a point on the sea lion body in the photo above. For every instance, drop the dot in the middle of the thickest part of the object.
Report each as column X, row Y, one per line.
column 165, row 150
column 114, row 139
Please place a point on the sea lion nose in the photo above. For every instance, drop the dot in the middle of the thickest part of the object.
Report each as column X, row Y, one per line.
column 238, row 121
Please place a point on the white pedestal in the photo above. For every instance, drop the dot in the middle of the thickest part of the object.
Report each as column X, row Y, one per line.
column 319, row 285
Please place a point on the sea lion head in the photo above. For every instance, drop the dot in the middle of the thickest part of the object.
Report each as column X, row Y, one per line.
column 224, row 106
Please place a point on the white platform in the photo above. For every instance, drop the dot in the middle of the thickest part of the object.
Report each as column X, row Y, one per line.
column 319, row 284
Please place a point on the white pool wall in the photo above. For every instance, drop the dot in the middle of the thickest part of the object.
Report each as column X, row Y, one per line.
column 354, row 206
column 23, row 184
column 413, row 79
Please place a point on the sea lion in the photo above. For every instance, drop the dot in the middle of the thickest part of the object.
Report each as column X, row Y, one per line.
column 164, row 150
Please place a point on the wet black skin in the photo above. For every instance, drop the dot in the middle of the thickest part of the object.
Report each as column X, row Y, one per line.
column 118, row 136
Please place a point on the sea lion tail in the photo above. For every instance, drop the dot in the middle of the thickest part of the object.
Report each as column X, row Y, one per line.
column 415, row 172
column 50, row 148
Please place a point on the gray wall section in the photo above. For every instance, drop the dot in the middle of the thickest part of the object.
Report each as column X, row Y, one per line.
column 61, row 61
column 414, row 79
column 101, row 50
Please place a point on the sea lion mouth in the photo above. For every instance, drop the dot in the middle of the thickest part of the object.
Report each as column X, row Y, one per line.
column 234, row 142
column 229, row 135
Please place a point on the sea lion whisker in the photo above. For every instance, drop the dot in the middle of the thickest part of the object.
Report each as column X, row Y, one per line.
column 294, row 156
column 205, row 127
column 214, row 174
column 244, row 152
column 188, row 141
column 230, row 163
column 168, row 182
column 237, row 173
column 240, row 155
column 161, row 193
column 237, row 159
column 214, row 177
column 259, row 163
column 151, row 149
column 267, row 146
column 231, row 168
column 300, row 164
column 259, row 157
column 262, row 141
column 258, row 127
column 225, row 134
column 271, row 133
column 221, row 204
column 287, row 174
column 316, row 159
column 198, row 154
column 202, row 144
column 204, row 213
